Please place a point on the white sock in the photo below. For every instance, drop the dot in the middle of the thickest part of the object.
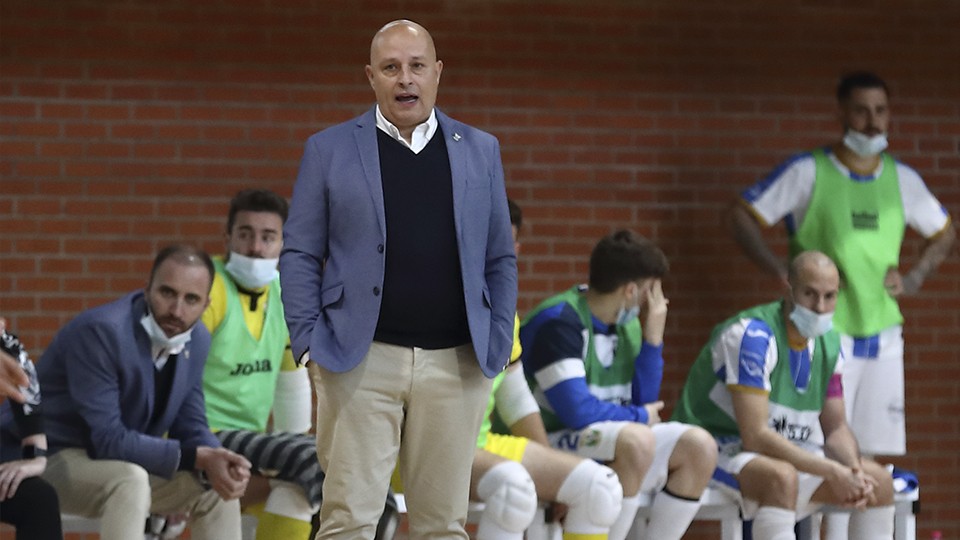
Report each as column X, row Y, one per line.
column 670, row 516
column 872, row 523
column 628, row 511
column 836, row 525
column 772, row 523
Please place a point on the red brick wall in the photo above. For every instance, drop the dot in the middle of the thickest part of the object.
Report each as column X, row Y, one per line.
column 127, row 125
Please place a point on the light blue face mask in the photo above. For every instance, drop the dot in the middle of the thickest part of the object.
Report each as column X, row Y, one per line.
column 810, row 323
column 624, row 316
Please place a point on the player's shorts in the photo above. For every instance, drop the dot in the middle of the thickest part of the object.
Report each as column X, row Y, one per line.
column 873, row 391
column 506, row 446
column 730, row 465
column 598, row 441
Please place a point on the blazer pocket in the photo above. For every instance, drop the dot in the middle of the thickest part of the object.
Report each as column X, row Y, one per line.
column 331, row 295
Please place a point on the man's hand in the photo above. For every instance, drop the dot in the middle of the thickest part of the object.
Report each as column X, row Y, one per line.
column 227, row 472
column 12, row 375
column 893, row 283
column 899, row 285
column 654, row 314
column 653, row 412
column 870, row 490
column 851, row 487
column 14, row 472
column 11, row 378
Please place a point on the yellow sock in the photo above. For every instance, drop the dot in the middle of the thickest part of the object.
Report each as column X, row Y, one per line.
column 277, row 527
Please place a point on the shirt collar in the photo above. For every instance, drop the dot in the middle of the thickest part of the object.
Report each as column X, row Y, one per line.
column 421, row 134
column 850, row 174
column 161, row 354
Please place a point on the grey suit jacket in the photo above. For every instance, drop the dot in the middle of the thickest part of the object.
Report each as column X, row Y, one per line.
column 335, row 242
column 97, row 378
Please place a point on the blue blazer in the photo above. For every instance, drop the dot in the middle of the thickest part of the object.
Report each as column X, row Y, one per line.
column 335, row 242
column 97, row 378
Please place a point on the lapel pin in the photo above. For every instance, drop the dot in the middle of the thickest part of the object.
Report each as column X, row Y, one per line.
column 457, row 137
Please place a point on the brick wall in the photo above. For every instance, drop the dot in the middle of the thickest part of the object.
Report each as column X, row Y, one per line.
column 127, row 125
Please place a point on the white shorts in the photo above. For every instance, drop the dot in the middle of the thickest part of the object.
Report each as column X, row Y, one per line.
column 873, row 391
column 729, row 465
column 598, row 441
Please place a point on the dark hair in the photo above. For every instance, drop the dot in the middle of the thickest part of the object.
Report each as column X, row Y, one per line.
column 256, row 200
column 622, row 257
column 516, row 215
column 183, row 254
column 858, row 79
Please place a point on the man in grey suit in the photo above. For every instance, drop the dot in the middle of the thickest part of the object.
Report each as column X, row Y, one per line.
column 399, row 287
column 124, row 413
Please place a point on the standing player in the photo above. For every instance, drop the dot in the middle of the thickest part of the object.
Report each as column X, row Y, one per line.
column 853, row 201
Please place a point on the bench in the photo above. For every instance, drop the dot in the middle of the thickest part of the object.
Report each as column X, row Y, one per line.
column 906, row 505
column 79, row 524
column 715, row 506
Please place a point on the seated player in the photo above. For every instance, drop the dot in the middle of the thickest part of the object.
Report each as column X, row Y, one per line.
column 596, row 374
column 768, row 387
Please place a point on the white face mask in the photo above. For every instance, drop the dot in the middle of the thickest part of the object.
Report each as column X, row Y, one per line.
column 251, row 273
column 864, row 145
column 159, row 338
column 810, row 323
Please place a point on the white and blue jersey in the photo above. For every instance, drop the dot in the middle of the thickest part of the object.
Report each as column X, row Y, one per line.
column 785, row 194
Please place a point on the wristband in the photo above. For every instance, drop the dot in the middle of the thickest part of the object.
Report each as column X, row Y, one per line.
column 202, row 478
column 31, row 451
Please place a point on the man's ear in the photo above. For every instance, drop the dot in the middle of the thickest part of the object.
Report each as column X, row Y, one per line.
column 788, row 296
column 369, row 72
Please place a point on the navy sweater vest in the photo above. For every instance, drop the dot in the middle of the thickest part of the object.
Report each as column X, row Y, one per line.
column 423, row 304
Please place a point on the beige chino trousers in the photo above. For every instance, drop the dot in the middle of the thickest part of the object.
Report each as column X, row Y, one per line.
column 122, row 495
column 417, row 408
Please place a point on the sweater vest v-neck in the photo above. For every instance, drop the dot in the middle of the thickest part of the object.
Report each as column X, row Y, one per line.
column 423, row 303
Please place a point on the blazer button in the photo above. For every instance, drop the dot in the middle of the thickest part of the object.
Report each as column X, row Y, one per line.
column 376, row 291
column 380, row 248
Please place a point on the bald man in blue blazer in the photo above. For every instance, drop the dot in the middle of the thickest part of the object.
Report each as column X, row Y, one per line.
column 399, row 287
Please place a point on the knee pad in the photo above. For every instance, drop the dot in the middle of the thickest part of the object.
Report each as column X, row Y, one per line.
column 288, row 500
column 594, row 496
column 509, row 496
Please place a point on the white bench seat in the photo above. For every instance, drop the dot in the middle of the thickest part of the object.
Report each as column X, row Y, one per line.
column 716, row 506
